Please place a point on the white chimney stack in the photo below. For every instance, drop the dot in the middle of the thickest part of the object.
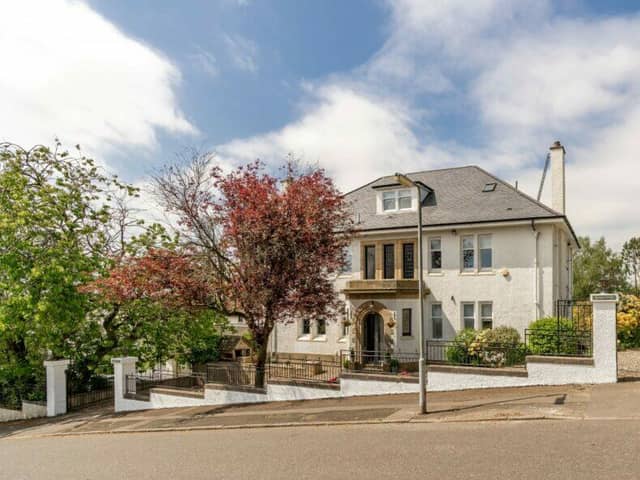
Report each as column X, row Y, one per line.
column 558, row 187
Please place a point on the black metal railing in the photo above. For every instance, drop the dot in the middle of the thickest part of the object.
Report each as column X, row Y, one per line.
column 233, row 374
column 575, row 314
column 318, row 371
column 570, row 333
column 140, row 385
column 374, row 361
column 559, row 342
column 475, row 353
column 93, row 395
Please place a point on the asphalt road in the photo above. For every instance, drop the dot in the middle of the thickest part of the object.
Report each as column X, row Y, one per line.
column 565, row 449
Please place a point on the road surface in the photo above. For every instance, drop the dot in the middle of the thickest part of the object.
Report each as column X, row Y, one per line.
column 547, row 449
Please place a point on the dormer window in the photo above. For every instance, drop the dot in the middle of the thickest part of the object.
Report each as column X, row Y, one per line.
column 395, row 200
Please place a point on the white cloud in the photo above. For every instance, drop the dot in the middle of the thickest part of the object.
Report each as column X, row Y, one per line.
column 521, row 74
column 353, row 136
column 242, row 52
column 70, row 73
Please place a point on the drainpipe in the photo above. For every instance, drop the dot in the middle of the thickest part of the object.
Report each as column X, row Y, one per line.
column 536, row 278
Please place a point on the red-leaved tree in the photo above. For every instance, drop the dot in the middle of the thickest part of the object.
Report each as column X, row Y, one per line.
column 272, row 246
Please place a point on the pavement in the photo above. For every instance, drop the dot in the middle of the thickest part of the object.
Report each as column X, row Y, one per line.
column 578, row 402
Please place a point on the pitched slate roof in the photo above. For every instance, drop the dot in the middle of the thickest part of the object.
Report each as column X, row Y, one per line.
column 456, row 198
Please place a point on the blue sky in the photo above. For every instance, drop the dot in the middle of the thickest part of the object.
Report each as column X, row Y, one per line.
column 362, row 88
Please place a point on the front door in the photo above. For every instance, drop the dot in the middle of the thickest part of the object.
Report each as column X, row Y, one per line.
column 372, row 336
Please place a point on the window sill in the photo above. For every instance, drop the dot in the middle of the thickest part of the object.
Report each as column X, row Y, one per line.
column 320, row 338
column 436, row 274
column 478, row 273
column 343, row 339
column 407, row 337
column 304, row 338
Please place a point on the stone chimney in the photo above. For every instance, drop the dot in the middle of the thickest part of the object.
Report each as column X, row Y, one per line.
column 558, row 188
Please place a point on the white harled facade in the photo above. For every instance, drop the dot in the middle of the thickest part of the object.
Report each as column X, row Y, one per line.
column 477, row 274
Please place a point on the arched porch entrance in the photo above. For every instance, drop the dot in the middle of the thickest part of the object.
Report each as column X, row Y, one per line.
column 374, row 329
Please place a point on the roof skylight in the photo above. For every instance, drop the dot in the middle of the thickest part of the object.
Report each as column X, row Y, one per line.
column 489, row 187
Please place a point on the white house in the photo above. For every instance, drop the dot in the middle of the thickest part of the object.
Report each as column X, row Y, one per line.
column 492, row 256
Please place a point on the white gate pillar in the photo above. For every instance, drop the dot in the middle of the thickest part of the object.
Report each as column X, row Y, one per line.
column 56, row 371
column 605, row 340
column 122, row 367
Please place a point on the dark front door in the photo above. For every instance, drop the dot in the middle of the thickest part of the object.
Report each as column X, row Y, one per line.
column 372, row 335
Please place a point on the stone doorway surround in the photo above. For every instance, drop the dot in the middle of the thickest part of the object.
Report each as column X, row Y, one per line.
column 388, row 322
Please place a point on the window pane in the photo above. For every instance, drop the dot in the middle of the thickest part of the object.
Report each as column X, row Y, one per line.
column 467, row 243
column 436, row 320
column 407, row 260
column 370, row 262
column 436, row 260
column 406, row 322
column 486, row 310
column 484, row 241
column 468, row 260
column 404, row 199
column 389, row 263
column 389, row 204
column 435, row 244
column 389, row 201
column 306, row 327
column 468, row 309
column 322, row 326
column 486, row 258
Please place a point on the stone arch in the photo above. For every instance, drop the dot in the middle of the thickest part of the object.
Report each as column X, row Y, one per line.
column 388, row 321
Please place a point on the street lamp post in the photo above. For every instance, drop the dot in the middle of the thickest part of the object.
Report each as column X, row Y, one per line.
column 407, row 182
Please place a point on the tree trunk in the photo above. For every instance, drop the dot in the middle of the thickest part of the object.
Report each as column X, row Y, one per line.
column 261, row 363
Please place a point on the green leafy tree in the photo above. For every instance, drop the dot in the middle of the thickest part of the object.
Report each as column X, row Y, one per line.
column 595, row 268
column 631, row 261
column 56, row 232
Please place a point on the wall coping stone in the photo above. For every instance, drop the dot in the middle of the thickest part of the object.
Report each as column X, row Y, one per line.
column 558, row 360
column 305, row 383
column 178, row 392
column 378, row 377
column 496, row 372
column 235, row 388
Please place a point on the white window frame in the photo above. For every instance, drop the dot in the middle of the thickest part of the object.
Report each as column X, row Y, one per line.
column 482, row 317
column 464, row 317
column 479, row 254
column 396, row 195
column 475, row 254
column 441, row 317
column 431, row 250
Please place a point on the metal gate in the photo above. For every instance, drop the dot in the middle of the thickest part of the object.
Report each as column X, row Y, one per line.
column 85, row 390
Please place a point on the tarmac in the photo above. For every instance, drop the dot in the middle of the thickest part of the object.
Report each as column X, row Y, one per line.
column 574, row 402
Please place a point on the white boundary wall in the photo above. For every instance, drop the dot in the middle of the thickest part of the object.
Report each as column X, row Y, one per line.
column 29, row 410
column 539, row 371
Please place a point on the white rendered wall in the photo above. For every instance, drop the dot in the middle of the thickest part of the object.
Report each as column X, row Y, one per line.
column 513, row 296
column 29, row 410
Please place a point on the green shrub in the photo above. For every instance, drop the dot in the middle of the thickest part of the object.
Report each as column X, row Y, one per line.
column 459, row 351
column 497, row 347
column 551, row 335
